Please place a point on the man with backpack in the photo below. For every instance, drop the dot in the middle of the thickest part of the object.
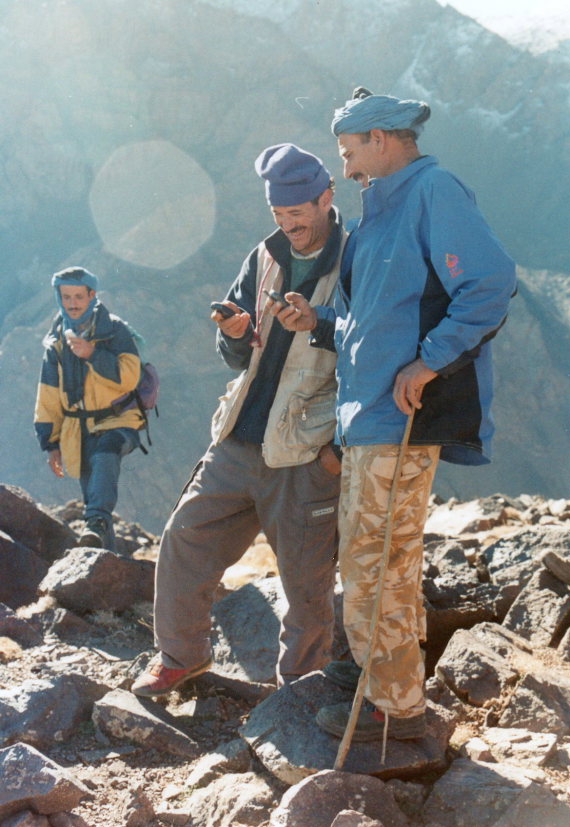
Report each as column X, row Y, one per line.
column 271, row 465
column 87, row 417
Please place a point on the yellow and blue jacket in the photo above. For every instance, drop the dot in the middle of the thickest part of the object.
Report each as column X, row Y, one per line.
column 75, row 394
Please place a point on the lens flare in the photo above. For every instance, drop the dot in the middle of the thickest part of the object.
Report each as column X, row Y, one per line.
column 153, row 204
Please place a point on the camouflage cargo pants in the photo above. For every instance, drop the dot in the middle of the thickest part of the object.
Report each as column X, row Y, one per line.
column 396, row 680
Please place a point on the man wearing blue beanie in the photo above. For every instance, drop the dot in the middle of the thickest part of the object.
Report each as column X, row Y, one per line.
column 84, row 417
column 424, row 286
column 271, row 465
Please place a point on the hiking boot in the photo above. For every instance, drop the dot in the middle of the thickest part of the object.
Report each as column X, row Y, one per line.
column 370, row 723
column 160, row 680
column 343, row 673
column 94, row 533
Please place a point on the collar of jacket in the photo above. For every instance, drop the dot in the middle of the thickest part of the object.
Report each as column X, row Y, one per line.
column 279, row 247
column 103, row 328
column 376, row 196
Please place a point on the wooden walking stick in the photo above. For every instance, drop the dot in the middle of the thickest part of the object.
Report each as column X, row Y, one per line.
column 377, row 608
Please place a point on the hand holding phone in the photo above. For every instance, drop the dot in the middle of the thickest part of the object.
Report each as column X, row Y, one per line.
column 222, row 309
column 278, row 298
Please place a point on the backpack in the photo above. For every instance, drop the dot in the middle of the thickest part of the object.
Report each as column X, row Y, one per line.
column 145, row 395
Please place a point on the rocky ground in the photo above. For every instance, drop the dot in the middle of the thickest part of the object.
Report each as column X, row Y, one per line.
column 77, row 748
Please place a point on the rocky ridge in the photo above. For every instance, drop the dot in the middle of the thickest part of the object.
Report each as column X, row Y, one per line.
column 77, row 748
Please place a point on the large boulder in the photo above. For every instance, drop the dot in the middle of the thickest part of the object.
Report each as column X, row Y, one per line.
column 89, row 579
column 283, row 733
column 32, row 525
column 29, row 779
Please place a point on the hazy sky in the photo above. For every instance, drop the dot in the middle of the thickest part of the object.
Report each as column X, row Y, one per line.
column 480, row 9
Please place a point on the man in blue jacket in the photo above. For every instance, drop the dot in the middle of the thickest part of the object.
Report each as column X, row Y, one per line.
column 424, row 286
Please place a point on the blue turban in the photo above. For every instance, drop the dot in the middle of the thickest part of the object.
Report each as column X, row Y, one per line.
column 379, row 112
column 76, row 277
column 292, row 175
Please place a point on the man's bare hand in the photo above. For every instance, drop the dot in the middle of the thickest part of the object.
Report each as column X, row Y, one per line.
column 236, row 326
column 409, row 385
column 80, row 347
column 55, row 462
column 297, row 316
column 329, row 460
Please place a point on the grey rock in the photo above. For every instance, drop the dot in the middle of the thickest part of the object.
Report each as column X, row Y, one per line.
column 95, row 579
column 409, row 797
column 472, row 794
column 449, row 557
column 228, row 801
column 24, row 632
column 453, row 608
column 67, row 820
column 26, row 818
column 475, row 665
column 32, row 525
column 541, row 612
column 477, row 749
column 65, row 624
column 40, row 712
column 519, row 746
column 438, row 692
column 351, row 818
column 232, row 757
column 245, row 631
column 30, row 780
column 563, row 648
column 318, row 799
column 452, row 519
column 534, row 806
column 237, row 687
column 21, row 571
column 122, row 715
column 515, row 558
column 540, row 704
column 245, row 634
column 137, row 809
column 557, row 565
column 285, row 737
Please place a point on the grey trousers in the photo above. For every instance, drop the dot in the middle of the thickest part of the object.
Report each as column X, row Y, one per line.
column 231, row 496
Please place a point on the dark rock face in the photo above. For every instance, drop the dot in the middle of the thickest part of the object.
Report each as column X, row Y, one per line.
column 21, row 571
column 32, row 525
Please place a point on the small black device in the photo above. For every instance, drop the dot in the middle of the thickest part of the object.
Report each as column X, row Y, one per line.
column 277, row 297
column 223, row 309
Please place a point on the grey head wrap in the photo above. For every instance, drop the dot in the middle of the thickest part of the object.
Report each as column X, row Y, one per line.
column 366, row 111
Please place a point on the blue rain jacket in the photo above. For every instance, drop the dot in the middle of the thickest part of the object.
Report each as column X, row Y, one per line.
column 422, row 275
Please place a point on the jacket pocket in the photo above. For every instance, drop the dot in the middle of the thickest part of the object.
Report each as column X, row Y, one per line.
column 309, row 420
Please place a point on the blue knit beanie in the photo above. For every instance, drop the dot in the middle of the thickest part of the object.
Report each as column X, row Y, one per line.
column 292, row 175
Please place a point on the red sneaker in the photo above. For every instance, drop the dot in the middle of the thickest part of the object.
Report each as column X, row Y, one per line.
column 160, row 680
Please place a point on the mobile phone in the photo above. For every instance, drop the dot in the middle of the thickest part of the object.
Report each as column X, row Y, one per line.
column 223, row 309
column 276, row 297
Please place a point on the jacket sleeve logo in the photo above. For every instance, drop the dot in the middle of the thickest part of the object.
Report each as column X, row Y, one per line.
column 452, row 264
